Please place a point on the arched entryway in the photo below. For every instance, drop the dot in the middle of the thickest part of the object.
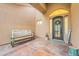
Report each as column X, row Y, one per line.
column 59, row 24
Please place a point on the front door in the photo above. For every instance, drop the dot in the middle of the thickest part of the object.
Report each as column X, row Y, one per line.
column 58, row 27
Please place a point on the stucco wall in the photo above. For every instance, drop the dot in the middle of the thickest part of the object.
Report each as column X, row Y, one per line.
column 42, row 29
column 75, row 25
column 15, row 17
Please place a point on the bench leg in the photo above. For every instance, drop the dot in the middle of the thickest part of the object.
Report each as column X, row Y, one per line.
column 12, row 44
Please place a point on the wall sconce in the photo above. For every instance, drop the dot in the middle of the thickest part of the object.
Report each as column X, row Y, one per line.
column 39, row 22
column 38, row 19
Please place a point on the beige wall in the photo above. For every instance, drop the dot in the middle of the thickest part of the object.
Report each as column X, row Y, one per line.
column 75, row 24
column 15, row 17
column 22, row 17
column 42, row 29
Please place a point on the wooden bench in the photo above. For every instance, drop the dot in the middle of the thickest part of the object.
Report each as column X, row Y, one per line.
column 18, row 39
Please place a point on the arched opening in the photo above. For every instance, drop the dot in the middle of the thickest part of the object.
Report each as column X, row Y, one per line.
column 59, row 24
column 58, row 12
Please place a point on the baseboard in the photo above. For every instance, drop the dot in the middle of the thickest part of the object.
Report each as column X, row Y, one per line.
column 4, row 44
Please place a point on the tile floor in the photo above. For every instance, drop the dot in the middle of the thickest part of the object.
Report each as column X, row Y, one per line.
column 37, row 47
